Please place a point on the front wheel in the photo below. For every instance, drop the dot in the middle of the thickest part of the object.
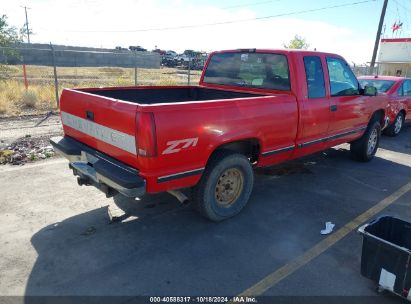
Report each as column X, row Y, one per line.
column 364, row 149
column 395, row 128
column 225, row 187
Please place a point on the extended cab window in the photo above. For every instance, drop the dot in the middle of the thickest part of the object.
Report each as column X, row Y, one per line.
column 254, row 70
column 342, row 79
column 315, row 76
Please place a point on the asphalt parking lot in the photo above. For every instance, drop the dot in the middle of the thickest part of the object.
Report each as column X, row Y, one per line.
column 56, row 238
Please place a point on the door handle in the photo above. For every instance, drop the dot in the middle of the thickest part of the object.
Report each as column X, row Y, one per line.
column 333, row 108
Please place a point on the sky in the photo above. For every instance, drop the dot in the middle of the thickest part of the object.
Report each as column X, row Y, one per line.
column 349, row 31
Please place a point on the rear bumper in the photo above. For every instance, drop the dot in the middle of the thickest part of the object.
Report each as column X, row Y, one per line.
column 97, row 169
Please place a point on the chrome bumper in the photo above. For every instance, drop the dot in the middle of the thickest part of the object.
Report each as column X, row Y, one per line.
column 99, row 170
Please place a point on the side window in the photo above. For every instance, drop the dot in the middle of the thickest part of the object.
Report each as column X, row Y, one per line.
column 314, row 76
column 342, row 79
column 407, row 88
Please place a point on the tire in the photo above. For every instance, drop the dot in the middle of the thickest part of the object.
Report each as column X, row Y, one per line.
column 225, row 187
column 364, row 149
column 395, row 128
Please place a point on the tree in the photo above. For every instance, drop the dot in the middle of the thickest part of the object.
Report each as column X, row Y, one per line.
column 297, row 42
column 8, row 34
column 8, row 38
column 23, row 33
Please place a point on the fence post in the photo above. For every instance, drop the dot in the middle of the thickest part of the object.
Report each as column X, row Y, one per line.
column 26, row 83
column 189, row 68
column 135, row 68
column 56, row 83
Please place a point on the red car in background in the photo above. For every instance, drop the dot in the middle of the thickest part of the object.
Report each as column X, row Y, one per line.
column 399, row 106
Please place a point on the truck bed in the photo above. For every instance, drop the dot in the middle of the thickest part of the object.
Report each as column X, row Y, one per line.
column 110, row 120
column 152, row 95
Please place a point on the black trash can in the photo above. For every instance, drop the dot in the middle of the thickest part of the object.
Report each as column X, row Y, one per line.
column 386, row 254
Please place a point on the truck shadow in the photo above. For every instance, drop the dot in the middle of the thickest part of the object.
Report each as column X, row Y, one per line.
column 401, row 143
column 164, row 248
column 147, row 206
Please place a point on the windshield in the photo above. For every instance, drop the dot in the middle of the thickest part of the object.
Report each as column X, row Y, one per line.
column 254, row 70
column 381, row 85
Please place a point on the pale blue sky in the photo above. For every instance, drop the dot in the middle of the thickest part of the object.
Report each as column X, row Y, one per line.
column 362, row 17
column 349, row 30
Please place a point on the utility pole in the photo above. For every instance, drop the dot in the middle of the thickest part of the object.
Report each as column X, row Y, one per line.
column 56, row 82
column 27, row 24
column 377, row 38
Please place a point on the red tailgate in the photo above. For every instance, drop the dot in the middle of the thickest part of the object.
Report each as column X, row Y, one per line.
column 105, row 124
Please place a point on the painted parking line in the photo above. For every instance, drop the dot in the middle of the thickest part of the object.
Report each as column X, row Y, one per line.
column 289, row 268
column 395, row 157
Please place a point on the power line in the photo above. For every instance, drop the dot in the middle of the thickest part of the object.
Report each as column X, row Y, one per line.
column 224, row 22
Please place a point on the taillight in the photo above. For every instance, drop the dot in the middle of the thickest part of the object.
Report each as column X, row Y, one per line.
column 146, row 141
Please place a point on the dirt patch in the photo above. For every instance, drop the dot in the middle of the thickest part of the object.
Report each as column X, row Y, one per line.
column 26, row 149
column 35, row 126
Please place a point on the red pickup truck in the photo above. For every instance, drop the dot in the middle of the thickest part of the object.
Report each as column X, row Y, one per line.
column 252, row 108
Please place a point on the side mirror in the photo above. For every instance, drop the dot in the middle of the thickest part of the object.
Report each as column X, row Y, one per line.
column 370, row 91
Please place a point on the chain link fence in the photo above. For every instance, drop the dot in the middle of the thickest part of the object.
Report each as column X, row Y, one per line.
column 33, row 76
column 364, row 70
column 31, row 79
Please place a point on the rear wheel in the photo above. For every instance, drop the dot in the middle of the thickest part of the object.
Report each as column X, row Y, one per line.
column 225, row 187
column 364, row 149
column 395, row 128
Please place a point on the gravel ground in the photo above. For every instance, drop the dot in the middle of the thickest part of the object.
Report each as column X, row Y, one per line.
column 26, row 139
column 25, row 150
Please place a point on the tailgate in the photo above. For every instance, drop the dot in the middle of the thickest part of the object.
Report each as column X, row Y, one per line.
column 105, row 124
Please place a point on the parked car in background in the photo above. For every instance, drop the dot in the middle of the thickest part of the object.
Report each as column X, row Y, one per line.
column 169, row 59
column 170, row 54
column 159, row 51
column 186, row 56
column 193, row 59
column 399, row 106
column 137, row 48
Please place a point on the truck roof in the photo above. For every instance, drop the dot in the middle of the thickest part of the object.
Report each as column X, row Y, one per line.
column 284, row 51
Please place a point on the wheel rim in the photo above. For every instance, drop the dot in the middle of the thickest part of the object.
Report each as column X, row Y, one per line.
column 398, row 124
column 372, row 141
column 229, row 187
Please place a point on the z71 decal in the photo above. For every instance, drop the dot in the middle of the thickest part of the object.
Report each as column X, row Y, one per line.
column 175, row 146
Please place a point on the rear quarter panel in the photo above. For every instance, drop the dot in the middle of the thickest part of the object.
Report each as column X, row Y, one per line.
column 272, row 120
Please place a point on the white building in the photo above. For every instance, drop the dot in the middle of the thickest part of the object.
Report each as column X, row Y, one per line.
column 394, row 58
